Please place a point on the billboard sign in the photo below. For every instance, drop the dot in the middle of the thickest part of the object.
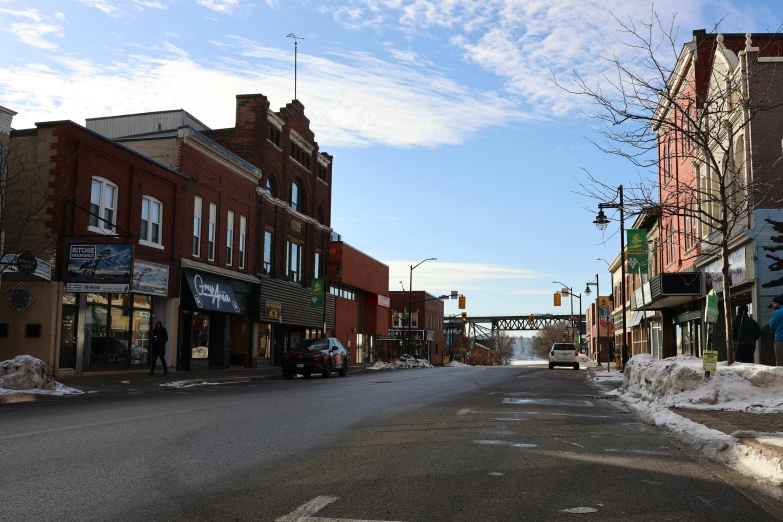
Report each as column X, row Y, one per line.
column 99, row 268
column 150, row 278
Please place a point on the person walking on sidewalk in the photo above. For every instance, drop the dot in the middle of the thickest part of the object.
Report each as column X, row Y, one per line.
column 158, row 348
column 776, row 325
column 746, row 333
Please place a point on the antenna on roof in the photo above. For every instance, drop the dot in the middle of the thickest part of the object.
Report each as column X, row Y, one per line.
column 296, row 42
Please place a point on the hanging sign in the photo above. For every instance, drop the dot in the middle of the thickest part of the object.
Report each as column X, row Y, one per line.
column 99, row 268
column 636, row 247
column 317, row 293
column 272, row 311
column 711, row 311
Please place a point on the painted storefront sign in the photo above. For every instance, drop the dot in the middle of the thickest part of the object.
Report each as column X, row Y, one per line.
column 212, row 293
column 713, row 273
column 99, row 268
column 150, row 278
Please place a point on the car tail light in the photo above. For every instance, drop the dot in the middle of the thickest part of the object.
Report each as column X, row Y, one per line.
column 576, row 353
column 553, row 353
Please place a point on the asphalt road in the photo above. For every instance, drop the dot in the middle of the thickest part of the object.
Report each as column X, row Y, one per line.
column 456, row 444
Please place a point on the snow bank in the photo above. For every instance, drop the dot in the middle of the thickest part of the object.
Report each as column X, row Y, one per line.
column 194, row 382
column 457, row 364
column 405, row 361
column 26, row 374
column 651, row 387
column 679, row 382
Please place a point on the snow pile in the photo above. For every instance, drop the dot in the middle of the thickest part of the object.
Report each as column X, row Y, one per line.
column 26, row 374
column 651, row 387
column 194, row 382
column 679, row 382
column 407, row 361
column 457, row 364
column 381, row 366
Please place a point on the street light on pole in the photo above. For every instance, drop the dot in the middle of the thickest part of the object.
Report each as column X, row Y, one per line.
column 578, row 296
column 601, row 221
column 410, row 298
column 402, row 341
column 598, row 315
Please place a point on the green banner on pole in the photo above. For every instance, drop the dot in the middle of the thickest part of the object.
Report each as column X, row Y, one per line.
column 317, row 293
column 636, row 247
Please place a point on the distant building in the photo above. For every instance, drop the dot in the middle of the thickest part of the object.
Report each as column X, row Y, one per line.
column 425, row 329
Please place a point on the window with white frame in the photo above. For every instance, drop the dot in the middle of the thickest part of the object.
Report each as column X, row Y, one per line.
column 211, row 232
column 242, row 233
column 103, row 206
column 230, row 238
column 197, row 227
column 151, row 222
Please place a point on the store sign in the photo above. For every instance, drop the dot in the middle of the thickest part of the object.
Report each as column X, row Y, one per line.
column 710, row 361
column 212, row 293
column 150, row 278
column 272, row 311
column 448, row 340
column 713, row 273
column 400, row 333
column 99, row 268
column 42, row 268
column 636, row 247
column 384, row 301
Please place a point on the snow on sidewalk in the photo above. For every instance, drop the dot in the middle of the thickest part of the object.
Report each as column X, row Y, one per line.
column 457, row 364
column 405, row 361
column 651, row 387
column 26, row 374
column 193, row 383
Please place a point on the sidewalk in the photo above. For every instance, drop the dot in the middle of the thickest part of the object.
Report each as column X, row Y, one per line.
column 118, row 384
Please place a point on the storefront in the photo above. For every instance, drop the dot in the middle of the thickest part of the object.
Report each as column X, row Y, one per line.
column 215, row 329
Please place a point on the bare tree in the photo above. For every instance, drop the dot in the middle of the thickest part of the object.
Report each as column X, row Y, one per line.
column 550, row 334
column 503, row 347
column 25, row 197
column 688, row 137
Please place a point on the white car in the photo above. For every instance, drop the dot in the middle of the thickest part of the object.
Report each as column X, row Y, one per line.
column 564, row 354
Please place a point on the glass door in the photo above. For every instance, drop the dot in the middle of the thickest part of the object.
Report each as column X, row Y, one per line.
column 68, row 328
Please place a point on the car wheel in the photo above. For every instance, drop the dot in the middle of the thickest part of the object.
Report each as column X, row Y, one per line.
column 306, row 375
column 551, row 366
column 576, row 366
column 288, row 375
column 344, row 369
column 328, row 370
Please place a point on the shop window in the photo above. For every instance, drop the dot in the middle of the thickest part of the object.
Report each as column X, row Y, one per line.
column 116, row 330
column 268, row 247
column 151, row 222
column 211, row 232
column 199, row 339
column 242, row 232
column 197, row 227
column 229, row 238
column 32, row 330
column 103, row 205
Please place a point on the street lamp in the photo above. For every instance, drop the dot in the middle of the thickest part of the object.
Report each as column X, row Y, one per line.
column 410, row 299
column 601, row 221
column 579, row 296
column 598, row 315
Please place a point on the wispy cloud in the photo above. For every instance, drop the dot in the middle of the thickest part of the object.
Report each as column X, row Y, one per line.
column 102, row 5
column 221, row 6
column 30, row 13
column 439, row 277
column 353, row 99
column 34, row 34
column 141, row 4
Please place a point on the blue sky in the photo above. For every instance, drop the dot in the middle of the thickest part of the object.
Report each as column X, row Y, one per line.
column 449, row 138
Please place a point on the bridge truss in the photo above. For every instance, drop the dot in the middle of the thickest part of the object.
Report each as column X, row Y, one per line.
column 484, row 328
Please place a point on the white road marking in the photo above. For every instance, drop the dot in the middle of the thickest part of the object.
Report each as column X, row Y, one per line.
column 571, row 443
column 463, row 412
column 304, row 512
column 579, row 510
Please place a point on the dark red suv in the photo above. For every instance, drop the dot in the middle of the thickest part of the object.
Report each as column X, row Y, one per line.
column 310, row 356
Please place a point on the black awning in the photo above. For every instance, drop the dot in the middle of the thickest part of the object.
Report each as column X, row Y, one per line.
column 213, row 293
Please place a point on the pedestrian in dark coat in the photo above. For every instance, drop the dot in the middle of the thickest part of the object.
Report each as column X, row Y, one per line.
column 158, row 348
column 746, row 333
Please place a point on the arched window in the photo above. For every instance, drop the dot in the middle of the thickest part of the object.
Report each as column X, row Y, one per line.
column 270, row 187
column 296, row 197
column 319, row 216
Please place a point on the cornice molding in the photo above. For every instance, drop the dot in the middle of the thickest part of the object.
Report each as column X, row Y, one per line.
column 275, row 120
column 299, row 140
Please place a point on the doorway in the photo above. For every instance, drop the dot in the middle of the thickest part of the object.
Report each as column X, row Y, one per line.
column 69, row 327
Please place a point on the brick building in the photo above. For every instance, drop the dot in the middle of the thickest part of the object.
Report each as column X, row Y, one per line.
column 105, row 204
column 426, row 326
column 360, row 286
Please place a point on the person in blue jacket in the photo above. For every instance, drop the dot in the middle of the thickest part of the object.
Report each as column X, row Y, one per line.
column 776, row 325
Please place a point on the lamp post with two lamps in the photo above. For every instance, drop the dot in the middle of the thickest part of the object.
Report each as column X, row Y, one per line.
column 601, row 221
column 598, row 316
column 410, row 300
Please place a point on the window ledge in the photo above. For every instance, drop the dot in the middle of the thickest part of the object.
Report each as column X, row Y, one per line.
column 272, row 143
column 151, row 244
column 296, row 162
column 100, row 231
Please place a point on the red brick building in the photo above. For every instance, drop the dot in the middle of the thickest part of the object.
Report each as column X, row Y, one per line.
column 360, row 286
column 426, row 333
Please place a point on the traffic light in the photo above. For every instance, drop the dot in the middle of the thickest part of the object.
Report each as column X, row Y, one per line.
column 531, row 319
column 462, row 302
column 464, row 318
column 557, row 299
column 394, row 318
